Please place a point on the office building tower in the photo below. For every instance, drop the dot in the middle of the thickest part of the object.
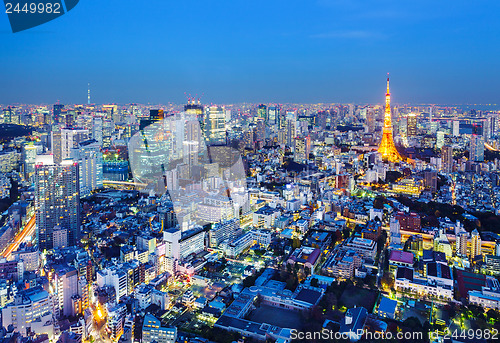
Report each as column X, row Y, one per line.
column 430, row 180
column 387, row 148
column 290, row 131
column 65, row 285
column 7, row 115
column 439, row 139
column 461, row 243
column 69, row 117
column 69, row 140
column 191, row 143
column 57, row 113
column 57, row 202
column 29, row 153
column 215, row 125
column 302, row 149
column 195, row 108
column 262, row 112
column 97, row 128
column 476, row 148
column 475, row 244
column 456, row 128
column 260, row 130
column 281, row 119
column 272, row 115
column 491, row 126
column 55, row 144
column 411, row 128
column 248, row 139
column 155, row 115
column 90, row 162
column 447, row 158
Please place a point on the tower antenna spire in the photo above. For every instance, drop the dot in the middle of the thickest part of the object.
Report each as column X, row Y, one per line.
column 388, row 84
column 88, row 94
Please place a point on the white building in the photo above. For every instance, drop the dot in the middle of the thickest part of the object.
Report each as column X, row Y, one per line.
column 488, row 296
column 152, row 331
column 89, row 157
column 31, row 311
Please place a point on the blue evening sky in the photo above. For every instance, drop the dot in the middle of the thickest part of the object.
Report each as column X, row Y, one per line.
column 257, row 51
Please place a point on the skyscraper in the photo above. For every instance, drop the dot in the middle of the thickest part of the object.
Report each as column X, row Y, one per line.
column 57, row 201
column 291, row 131
column 195, row 108
column 411, row 129
column 475, row 244
column 215, row 125
column 447, row 158
column 262, row 112
column 461, row 243
column 387, row 147
column 272, row 115
column 55, row 145
column 90, row 162
column 456, row 128
column 430, row 180
column 58, row 108
column 476, row 148
column 302, row 149
column 70, row 139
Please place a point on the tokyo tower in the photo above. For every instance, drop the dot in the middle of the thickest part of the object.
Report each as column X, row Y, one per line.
column 387, row 147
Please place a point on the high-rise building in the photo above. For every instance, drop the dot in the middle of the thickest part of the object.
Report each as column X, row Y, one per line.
column 430, row 180
column 439, row 139
column 69, row 139
column 475, row 244
column 57, row 201
column 411, row 126
column 476, row 148
column 7, row 115
column 447, row 158
column 195, row 108
column 260, row 130
column 302, row 149
column 55, row 144
column 387, row 147
column 272, row 115
column 57, row 116
column 29, row 153
column 262, row 112
column 155, row 115
column 215, row 125
column 65, row 286
column 461, row 243
column 97, row 128
column 290, row 131
column 90, row 162
column 456, row 128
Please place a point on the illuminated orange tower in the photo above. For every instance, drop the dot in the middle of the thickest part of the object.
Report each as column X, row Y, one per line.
column 387, row 147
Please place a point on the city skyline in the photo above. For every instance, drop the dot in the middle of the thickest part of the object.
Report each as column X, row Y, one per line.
column 229, row 171
column 328, row 51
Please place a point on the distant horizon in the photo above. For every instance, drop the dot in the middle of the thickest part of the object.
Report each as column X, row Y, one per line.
column 481, row 107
